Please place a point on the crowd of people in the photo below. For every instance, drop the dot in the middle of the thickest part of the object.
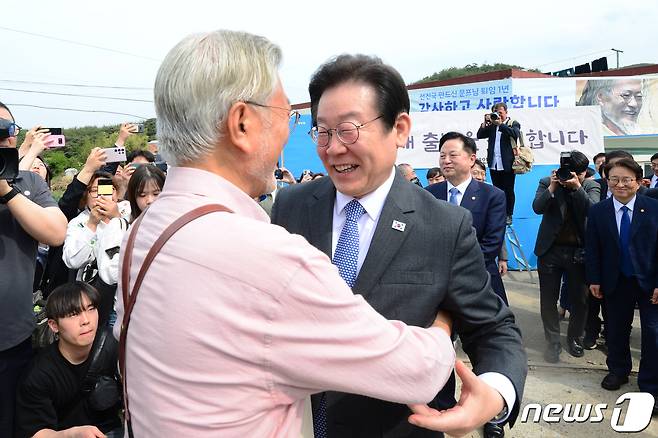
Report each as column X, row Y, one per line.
column 214, row 315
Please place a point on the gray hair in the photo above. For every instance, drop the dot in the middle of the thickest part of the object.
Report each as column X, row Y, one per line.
column 199, row 80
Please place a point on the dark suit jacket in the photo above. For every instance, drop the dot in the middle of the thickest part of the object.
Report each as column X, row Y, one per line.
column 553, row 211
column 603, row 252
column 435, row 263
column 506, row 131
column 487, row 205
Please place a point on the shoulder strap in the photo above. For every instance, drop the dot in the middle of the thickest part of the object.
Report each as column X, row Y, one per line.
column 89, row 381
column 129, row 299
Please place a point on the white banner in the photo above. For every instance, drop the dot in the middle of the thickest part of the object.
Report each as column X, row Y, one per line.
column 547, row 132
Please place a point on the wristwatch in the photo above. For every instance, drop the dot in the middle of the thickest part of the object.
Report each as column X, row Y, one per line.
column 8, row 197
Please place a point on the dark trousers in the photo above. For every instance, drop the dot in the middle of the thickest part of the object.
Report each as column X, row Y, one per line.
column 496, row 280
column 505, row 182
column 594, row 323
column 550, row 267
column 620, row 308
column 13, row 363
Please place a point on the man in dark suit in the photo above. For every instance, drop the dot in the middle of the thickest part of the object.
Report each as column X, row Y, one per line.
column 500, row 132
column 486, row 203
column 622, row 266
column 414, row 255
column 563, row 202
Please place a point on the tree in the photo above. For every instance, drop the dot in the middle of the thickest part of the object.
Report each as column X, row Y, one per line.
column 469, row 69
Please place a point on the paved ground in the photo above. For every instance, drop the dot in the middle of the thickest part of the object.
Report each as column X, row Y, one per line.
column 572, row 380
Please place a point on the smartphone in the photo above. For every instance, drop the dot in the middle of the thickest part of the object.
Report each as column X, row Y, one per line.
column 55, row 141
column 140, row 128
column 115, row 154
column 105, row 187
column 54, row 131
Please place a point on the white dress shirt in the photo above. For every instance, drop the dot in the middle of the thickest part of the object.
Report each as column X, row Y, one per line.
column 654, row 182
column 461, row 188
column 618, row 213
column 498, row 157
column 373, row 203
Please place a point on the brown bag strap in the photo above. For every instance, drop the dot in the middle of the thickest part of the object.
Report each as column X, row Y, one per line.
column 129, row 299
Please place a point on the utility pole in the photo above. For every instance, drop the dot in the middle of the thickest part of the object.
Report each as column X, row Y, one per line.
column 618, row 52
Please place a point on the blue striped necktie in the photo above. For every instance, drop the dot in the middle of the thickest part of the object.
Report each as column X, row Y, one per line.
column 453, row 196
column 624, row 242
column 345, row 258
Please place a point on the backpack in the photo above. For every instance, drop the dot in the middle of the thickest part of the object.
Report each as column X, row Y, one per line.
column 524, row 158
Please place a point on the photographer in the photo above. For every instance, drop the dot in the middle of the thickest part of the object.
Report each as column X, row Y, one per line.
column 28, row 215
column 72, row 385
column 499, row 130
column 563, row 200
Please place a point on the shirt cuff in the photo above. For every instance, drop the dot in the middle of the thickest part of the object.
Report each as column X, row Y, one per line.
column 504, row 386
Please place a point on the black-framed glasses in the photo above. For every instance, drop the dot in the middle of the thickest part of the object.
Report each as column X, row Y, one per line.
column 346, row 132
column 293, row 115
column 613, row 180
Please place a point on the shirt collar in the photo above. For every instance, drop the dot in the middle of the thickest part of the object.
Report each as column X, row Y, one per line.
column 461, row 187
column 618, row 205
column 373, row 202
column 188, row 181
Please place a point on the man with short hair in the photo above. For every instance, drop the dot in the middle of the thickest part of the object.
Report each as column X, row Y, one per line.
column 653, row 180
column 457, row 155
column 622, row 267
column 563, row 199
column 409, row 173
column 239, row 355
column 434, row 176
column 409, row 254
column 58, row 396
column 598, row 160
column 501, row 132
column 28, row 215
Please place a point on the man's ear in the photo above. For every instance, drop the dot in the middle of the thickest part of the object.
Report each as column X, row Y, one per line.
column 240, row 124
column 402, row 129
column 54, row 327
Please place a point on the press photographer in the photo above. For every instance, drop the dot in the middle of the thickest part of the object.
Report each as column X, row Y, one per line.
column 499, row 130
column 563, row 200
column 28, row 215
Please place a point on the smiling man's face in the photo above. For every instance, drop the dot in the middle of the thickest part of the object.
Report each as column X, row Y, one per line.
column 622, row 104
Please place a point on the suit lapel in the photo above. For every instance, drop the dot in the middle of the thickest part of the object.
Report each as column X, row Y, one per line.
column 443, row 191
column 471, row 195
column 639, row 215
column 386, row 240
column 320, row 214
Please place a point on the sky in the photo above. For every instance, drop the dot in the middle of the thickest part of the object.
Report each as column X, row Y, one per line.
column 416, row 37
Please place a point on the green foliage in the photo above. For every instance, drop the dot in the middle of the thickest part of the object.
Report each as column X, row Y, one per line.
column 469, row 69
column 80, row 141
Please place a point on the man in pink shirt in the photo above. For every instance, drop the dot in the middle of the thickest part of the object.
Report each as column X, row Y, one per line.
column 238, row 321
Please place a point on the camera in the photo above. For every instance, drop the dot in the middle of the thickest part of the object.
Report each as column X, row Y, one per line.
column 140, row 128
column 278, row 174
column 494, row 116
column 8, row 163
column 566, row 167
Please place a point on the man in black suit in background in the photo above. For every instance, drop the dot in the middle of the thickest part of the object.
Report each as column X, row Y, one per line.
column 485, row 202
column 414, row 256
column 622, row 266
column 563, row 200
column 500, row 131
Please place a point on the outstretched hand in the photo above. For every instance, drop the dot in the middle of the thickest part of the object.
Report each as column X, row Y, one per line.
column 478, row 404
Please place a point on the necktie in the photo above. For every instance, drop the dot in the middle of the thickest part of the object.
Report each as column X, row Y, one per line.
column 453, row 196
column 655, row 183
column 345, row 258
column 624, row 242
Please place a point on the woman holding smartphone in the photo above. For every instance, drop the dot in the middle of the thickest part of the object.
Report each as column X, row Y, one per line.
column 93, row 239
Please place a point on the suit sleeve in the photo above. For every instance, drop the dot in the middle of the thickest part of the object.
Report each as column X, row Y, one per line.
column 484, row 132
column 592, row 249
column 494, row 231
column 543, row 197
column 586, row 196
column 486, row 325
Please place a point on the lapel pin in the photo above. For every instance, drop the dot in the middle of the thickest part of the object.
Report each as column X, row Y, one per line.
column 641, row 210
column 396, row 225
column 473, row 198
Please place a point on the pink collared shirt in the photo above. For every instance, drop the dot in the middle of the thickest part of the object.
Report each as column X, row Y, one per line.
column 238, row 321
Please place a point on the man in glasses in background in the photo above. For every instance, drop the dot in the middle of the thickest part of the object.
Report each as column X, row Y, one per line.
column 28, row 215
column 406, row 253
column 620, row 101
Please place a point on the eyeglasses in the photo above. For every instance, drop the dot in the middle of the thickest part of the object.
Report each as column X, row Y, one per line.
column 293, row 115
column 347, row 133
column 627, row 96
column 613, row 180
